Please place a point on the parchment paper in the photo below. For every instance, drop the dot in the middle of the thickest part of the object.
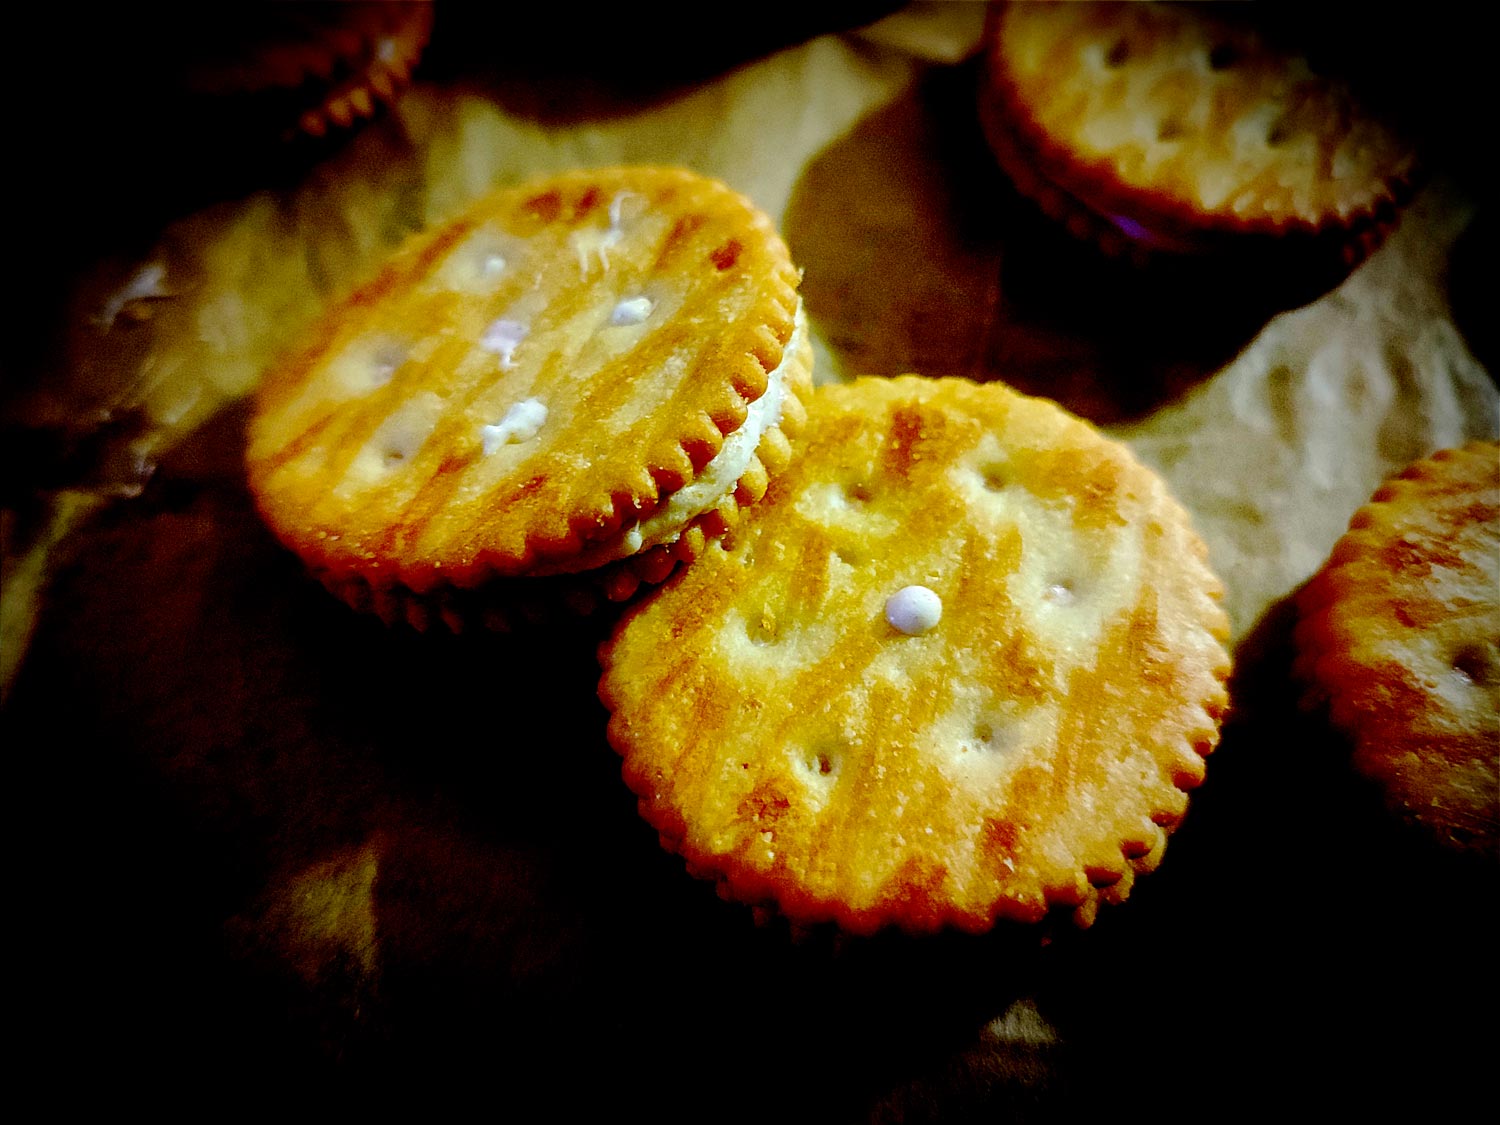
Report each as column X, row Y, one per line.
column 282, row 839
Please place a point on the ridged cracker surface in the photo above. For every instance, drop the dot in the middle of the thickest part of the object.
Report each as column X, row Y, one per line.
column 1029, row 750
column 1400, row 636
column 1183, row 123
column 588, row 373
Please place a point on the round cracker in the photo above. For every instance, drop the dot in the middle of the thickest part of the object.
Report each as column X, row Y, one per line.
column 1029, row 751
column 486, row 406
column 1399, row 634
column 1164, row 127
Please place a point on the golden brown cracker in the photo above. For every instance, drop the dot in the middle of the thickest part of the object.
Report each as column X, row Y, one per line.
column 1164, row 127
column 537, row 388
column 1399, row 634
column 313, row 66
column 1030, row 750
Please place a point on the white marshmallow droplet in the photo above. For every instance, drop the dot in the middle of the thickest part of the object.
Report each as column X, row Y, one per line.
column 503, row 337
column 521, row 423
column 589, row 242
column 631, row 310
column 913, row 610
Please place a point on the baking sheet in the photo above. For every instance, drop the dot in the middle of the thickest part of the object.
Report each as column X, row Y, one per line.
column 274, row 838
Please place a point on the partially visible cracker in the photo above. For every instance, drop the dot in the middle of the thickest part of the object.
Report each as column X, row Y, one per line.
column 307, row 67
column 1166, row 128
column 1030, row 750
column 1399, row 635
column 586, row 376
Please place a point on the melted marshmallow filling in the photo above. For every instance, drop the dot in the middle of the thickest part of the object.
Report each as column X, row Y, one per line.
column 715, row 481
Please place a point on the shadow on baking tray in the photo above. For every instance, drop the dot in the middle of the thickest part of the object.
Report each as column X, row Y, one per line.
column 920, row 256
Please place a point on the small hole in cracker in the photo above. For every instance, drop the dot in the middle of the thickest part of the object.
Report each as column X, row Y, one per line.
column 1117, row 54
column 994, row 736
column 821, row 761
column 1060, row 592
column 1278, row 134
column 1170, row 130
column 761, row 628
column 849, row 556
column 859, row 492
column 994, row 476
column 1476, row 664
column 385, row 361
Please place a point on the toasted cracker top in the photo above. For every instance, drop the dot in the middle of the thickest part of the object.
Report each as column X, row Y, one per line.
column 1400, row 633
column 1195, row 115
column 1021, row 753
column 524, row 381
